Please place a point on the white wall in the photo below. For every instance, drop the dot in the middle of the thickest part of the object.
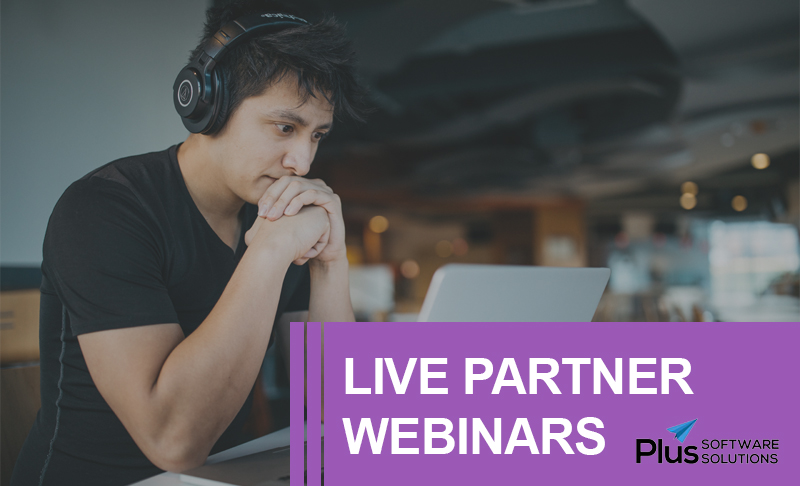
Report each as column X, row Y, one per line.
column 83, row 82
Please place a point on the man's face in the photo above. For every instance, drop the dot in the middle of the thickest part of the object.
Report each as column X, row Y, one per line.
column 270, row 136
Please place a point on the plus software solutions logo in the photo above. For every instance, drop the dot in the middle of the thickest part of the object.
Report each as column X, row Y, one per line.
column 717, row 451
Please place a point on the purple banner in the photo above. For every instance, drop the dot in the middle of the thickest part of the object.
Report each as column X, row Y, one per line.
column 563, row 403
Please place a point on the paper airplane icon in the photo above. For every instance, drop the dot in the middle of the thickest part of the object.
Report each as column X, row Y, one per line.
column 682, row 430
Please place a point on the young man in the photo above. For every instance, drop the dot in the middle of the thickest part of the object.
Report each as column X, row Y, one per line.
column 164, row 273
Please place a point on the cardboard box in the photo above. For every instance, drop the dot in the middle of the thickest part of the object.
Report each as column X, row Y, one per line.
column 19, row 326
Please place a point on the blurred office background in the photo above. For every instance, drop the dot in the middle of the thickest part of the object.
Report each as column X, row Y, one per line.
column 656, row 137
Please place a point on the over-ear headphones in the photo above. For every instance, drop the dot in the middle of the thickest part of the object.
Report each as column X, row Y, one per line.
column 199, row 92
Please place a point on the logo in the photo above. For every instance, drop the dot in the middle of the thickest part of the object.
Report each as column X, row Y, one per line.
column 713, row 451
column 185, row 92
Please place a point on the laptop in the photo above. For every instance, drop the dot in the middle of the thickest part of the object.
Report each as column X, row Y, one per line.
column 511, row 293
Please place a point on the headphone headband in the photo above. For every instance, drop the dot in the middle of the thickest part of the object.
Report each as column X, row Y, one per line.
column 199, row 91
column 235, row 31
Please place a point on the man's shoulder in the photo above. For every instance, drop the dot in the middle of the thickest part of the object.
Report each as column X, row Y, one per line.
column 136, row 171
column 140, row 179
column 131, row 186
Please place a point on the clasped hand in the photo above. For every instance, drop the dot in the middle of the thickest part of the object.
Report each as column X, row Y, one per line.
column 288, row 196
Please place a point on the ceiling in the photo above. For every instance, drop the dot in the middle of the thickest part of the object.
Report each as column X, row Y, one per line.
column 601, row 100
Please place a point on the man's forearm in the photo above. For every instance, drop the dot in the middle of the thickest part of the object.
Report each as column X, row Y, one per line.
column 207, row 377
column 330, row 292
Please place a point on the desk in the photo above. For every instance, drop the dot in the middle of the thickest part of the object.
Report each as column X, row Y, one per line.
column 278, row 438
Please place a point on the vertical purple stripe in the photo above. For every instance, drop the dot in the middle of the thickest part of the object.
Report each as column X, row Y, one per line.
column 297, row 361
column 314, row 377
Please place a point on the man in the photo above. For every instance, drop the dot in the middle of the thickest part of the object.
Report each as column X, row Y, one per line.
column 164, row 273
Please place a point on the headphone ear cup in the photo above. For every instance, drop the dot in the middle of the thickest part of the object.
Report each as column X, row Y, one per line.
column 221, row 104
column 186, row 93
column 188, row 97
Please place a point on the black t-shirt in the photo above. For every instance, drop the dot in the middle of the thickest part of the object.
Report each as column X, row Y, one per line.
column 125, row 246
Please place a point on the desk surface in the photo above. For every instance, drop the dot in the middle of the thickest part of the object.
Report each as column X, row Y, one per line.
column 278, row 438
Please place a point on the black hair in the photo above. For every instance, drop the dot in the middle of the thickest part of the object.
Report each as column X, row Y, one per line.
column 320, row 56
